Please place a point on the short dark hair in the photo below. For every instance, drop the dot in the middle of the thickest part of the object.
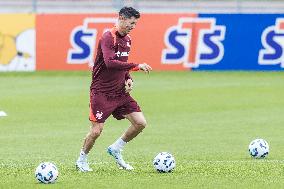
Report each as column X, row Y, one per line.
column 129, row 12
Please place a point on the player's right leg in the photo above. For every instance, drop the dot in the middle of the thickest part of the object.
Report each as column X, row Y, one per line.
column 95, row 131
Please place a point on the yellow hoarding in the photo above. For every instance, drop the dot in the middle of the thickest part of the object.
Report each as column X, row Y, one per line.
column 17, row 42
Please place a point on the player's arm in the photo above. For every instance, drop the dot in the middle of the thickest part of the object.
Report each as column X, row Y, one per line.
column 107, row 46
column 144, row 67
column 128, row 82
column 128, row 76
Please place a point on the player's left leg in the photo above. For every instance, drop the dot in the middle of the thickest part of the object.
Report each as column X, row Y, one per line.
column 138, row 123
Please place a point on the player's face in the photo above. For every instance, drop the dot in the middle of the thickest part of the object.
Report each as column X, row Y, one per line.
column 127, row 24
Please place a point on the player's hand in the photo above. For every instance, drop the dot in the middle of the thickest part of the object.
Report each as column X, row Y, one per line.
column 128, row 85
column 145, row 67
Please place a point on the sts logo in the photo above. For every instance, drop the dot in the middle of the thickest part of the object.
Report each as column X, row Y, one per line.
column 83, row 39
column 194, row 41
column 272, row 40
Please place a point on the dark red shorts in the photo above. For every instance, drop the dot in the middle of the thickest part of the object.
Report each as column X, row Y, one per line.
column 101, row 107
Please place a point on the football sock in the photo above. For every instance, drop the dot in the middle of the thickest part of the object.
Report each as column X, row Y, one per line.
column 119, row 144
column 82, row 156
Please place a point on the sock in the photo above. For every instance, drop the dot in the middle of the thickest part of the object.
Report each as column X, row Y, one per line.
column 82, row 156
column 119, row 144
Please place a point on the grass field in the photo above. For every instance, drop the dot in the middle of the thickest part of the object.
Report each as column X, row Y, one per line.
column 205, row 119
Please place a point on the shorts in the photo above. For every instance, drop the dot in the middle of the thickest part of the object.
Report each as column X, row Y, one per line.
column 102, row 106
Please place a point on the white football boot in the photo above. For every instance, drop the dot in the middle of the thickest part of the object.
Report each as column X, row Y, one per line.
column 83, row 166
column 118, row 158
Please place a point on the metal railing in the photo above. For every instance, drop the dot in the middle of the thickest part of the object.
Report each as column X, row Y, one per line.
column 101, row 6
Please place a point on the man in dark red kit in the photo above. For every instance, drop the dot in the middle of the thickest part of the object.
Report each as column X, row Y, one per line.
column 109, row 91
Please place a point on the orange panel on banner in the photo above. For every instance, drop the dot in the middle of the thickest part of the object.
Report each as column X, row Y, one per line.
column 69, row 41
column 148, row 39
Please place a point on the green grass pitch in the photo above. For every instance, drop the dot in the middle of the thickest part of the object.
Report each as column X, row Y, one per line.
column 205, row 119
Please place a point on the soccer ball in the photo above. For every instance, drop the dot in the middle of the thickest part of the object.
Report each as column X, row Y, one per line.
column 164, row 162
column 259, row 148
column 46, row 173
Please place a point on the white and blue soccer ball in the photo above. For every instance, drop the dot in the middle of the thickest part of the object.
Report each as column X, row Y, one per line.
column 46, row 173
column 164, row 162
column 259, row 148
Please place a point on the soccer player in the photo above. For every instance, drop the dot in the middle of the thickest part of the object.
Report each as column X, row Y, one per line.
column 110, row 87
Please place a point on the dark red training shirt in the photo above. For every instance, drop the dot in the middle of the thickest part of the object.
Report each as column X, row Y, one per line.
column 111, row 68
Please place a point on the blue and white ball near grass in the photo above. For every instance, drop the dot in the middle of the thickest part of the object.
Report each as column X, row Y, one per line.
column 259, row 148
column 46, row 173
column 164, row 162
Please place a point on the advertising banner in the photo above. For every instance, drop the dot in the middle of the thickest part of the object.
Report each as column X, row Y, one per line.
column 251, row 42
column 69, row 42
column 17, row 42
column 166, row 41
